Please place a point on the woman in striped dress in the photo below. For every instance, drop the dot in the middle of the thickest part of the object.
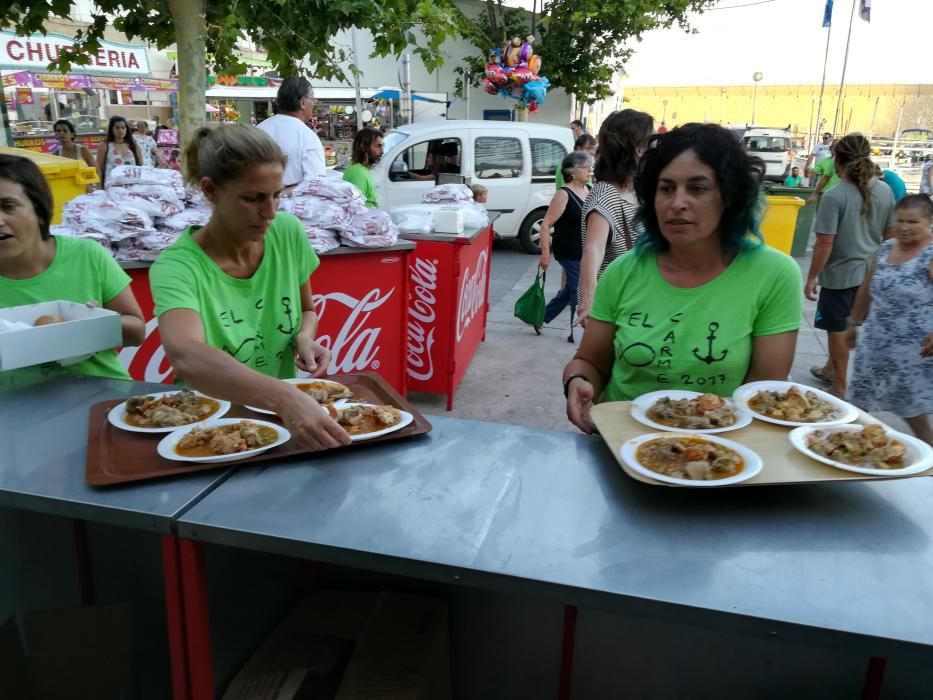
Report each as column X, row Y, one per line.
column 609, row 228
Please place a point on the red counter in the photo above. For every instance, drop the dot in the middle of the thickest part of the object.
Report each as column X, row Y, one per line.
column 360, row 296
column 449, row 304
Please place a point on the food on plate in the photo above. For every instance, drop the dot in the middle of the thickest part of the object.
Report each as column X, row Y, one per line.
column 793, row 405
column 699, row 413
column 325, row 392
column 47, row 319
column 364, row 418
column 169, row 411
column 869, row 447
column 225, row 440
column 689, row 458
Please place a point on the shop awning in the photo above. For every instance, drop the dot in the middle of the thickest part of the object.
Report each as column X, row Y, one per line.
column 395, row 95
column 80, row 81
column 245, row 60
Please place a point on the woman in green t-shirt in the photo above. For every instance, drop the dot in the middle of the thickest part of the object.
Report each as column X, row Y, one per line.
column 701, row 303
column 233, row 298
column 36, row 266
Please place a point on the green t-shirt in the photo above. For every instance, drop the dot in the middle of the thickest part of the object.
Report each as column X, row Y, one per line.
column 695, row 339
column 559, row 177
column 827, row 166
column 359, row 175
column 254, row 320
column 81, row 271
column 791, row 181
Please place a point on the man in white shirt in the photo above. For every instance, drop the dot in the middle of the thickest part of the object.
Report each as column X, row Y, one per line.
column 289, row 128
column 821, row 151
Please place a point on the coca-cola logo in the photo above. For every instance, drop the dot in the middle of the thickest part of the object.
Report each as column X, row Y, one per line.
column 355, row 346
column 472, row 294
column 147, row 361
column 421, row 319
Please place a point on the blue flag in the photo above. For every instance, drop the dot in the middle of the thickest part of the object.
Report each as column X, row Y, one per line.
column 865, row 10
column 828, row 13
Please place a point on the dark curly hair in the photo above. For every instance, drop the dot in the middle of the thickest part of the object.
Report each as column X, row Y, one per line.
column 361, row 144
column 737, row 173
column 621, row 137
column 917, row 201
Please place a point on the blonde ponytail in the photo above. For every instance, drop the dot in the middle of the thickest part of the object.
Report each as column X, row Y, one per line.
column 224, row 152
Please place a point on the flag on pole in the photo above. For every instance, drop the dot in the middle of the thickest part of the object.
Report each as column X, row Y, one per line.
column 864, row 10
column 828, row 13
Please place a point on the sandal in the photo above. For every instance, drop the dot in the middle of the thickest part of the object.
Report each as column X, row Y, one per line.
column 817, row 373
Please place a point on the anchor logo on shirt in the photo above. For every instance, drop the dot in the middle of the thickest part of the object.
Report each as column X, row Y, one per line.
column 710, row 358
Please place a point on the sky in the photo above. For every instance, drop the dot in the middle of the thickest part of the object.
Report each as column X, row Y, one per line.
column 784, row 39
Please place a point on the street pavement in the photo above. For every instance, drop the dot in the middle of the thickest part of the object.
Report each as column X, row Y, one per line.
column 515, row 376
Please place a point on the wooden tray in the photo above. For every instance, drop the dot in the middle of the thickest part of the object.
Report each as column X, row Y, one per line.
column 783, row 464
column 117, row 456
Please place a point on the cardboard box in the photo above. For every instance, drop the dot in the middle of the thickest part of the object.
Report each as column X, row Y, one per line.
column 305, row 656
column 72, row 653
column 84, row 332
column 448, row 221
column 403, row 654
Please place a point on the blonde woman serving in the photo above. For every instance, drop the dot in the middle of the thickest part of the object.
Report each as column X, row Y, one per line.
column 234, row 298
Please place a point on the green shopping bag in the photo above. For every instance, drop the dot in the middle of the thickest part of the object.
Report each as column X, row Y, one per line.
column 530, row 306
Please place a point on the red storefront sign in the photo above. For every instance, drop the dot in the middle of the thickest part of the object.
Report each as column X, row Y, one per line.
column 361, row 298
column 50, row 144
column 449, row 293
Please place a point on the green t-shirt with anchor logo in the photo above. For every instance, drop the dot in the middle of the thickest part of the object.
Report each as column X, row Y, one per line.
column 255, row 320
column 696, row 339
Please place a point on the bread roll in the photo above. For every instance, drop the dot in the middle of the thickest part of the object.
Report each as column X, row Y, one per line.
column 47, row 319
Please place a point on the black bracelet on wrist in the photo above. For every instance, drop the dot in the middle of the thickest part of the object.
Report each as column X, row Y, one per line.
column 570, row 379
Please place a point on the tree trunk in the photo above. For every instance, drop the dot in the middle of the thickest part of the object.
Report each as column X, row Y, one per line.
column 190, row 29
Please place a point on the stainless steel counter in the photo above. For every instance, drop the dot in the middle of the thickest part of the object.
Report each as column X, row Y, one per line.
column 43, row 446
column 531, row 511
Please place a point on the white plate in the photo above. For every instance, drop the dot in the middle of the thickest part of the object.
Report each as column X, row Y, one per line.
column 299, row 380
column 919, row 455
column 745, row 393
column 167, row 445
column 117, row 415
column 644, row 402
column 407, row 418
column 753, row 463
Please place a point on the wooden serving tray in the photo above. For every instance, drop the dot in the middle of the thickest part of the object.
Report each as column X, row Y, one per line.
column 783, row 464
column 117, row 456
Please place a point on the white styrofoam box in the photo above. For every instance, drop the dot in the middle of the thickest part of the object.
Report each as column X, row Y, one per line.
column 448, row 221
column 83, row 332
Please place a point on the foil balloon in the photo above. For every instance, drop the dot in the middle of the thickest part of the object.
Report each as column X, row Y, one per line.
column 521, row 76
column 490, row 87
column 528, row 48
column 511, row 52
column 536, row 91
column 495, row 74
column 534, row 64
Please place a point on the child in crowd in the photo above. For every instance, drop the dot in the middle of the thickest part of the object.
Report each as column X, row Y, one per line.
column 480, row 194
column 174, row 162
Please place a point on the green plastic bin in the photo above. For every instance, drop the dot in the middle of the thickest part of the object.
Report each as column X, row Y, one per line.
column 805, row 217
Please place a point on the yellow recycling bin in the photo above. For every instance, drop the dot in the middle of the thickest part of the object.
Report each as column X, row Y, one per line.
column 780, row 221
column 67, row 178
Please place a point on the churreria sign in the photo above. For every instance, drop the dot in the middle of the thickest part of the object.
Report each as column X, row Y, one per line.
column 36, row 52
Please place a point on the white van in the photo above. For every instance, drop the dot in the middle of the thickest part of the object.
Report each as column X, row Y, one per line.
column 773, row 146
column 515, row 161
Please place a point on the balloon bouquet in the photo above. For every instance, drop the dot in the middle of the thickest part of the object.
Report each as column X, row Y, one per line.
column 512, row 71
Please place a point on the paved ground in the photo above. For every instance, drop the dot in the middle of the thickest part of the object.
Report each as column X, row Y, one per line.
column 515, row 376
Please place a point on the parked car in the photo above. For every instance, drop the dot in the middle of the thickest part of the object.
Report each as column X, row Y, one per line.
column 515, row 161
column 773, row 146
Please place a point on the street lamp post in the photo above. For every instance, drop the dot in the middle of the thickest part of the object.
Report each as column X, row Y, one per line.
column 757, row 76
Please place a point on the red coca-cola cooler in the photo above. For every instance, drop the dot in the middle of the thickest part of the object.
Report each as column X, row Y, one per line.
column 449, row 304
column 361, row 298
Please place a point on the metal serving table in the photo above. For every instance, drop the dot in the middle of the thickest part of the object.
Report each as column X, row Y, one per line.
column 43, row 446
column 537, row 512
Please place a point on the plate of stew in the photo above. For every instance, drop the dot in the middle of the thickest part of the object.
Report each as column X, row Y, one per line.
column 222, row 440
column 688, row 411
column 794, row 405
column 165, row 412
column 864, row 449
column 691, row 460
column 324, row 391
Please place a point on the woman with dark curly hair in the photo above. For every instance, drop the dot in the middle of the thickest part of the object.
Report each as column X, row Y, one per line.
column 609, row 211
column 701, row 303
column 853, row 218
